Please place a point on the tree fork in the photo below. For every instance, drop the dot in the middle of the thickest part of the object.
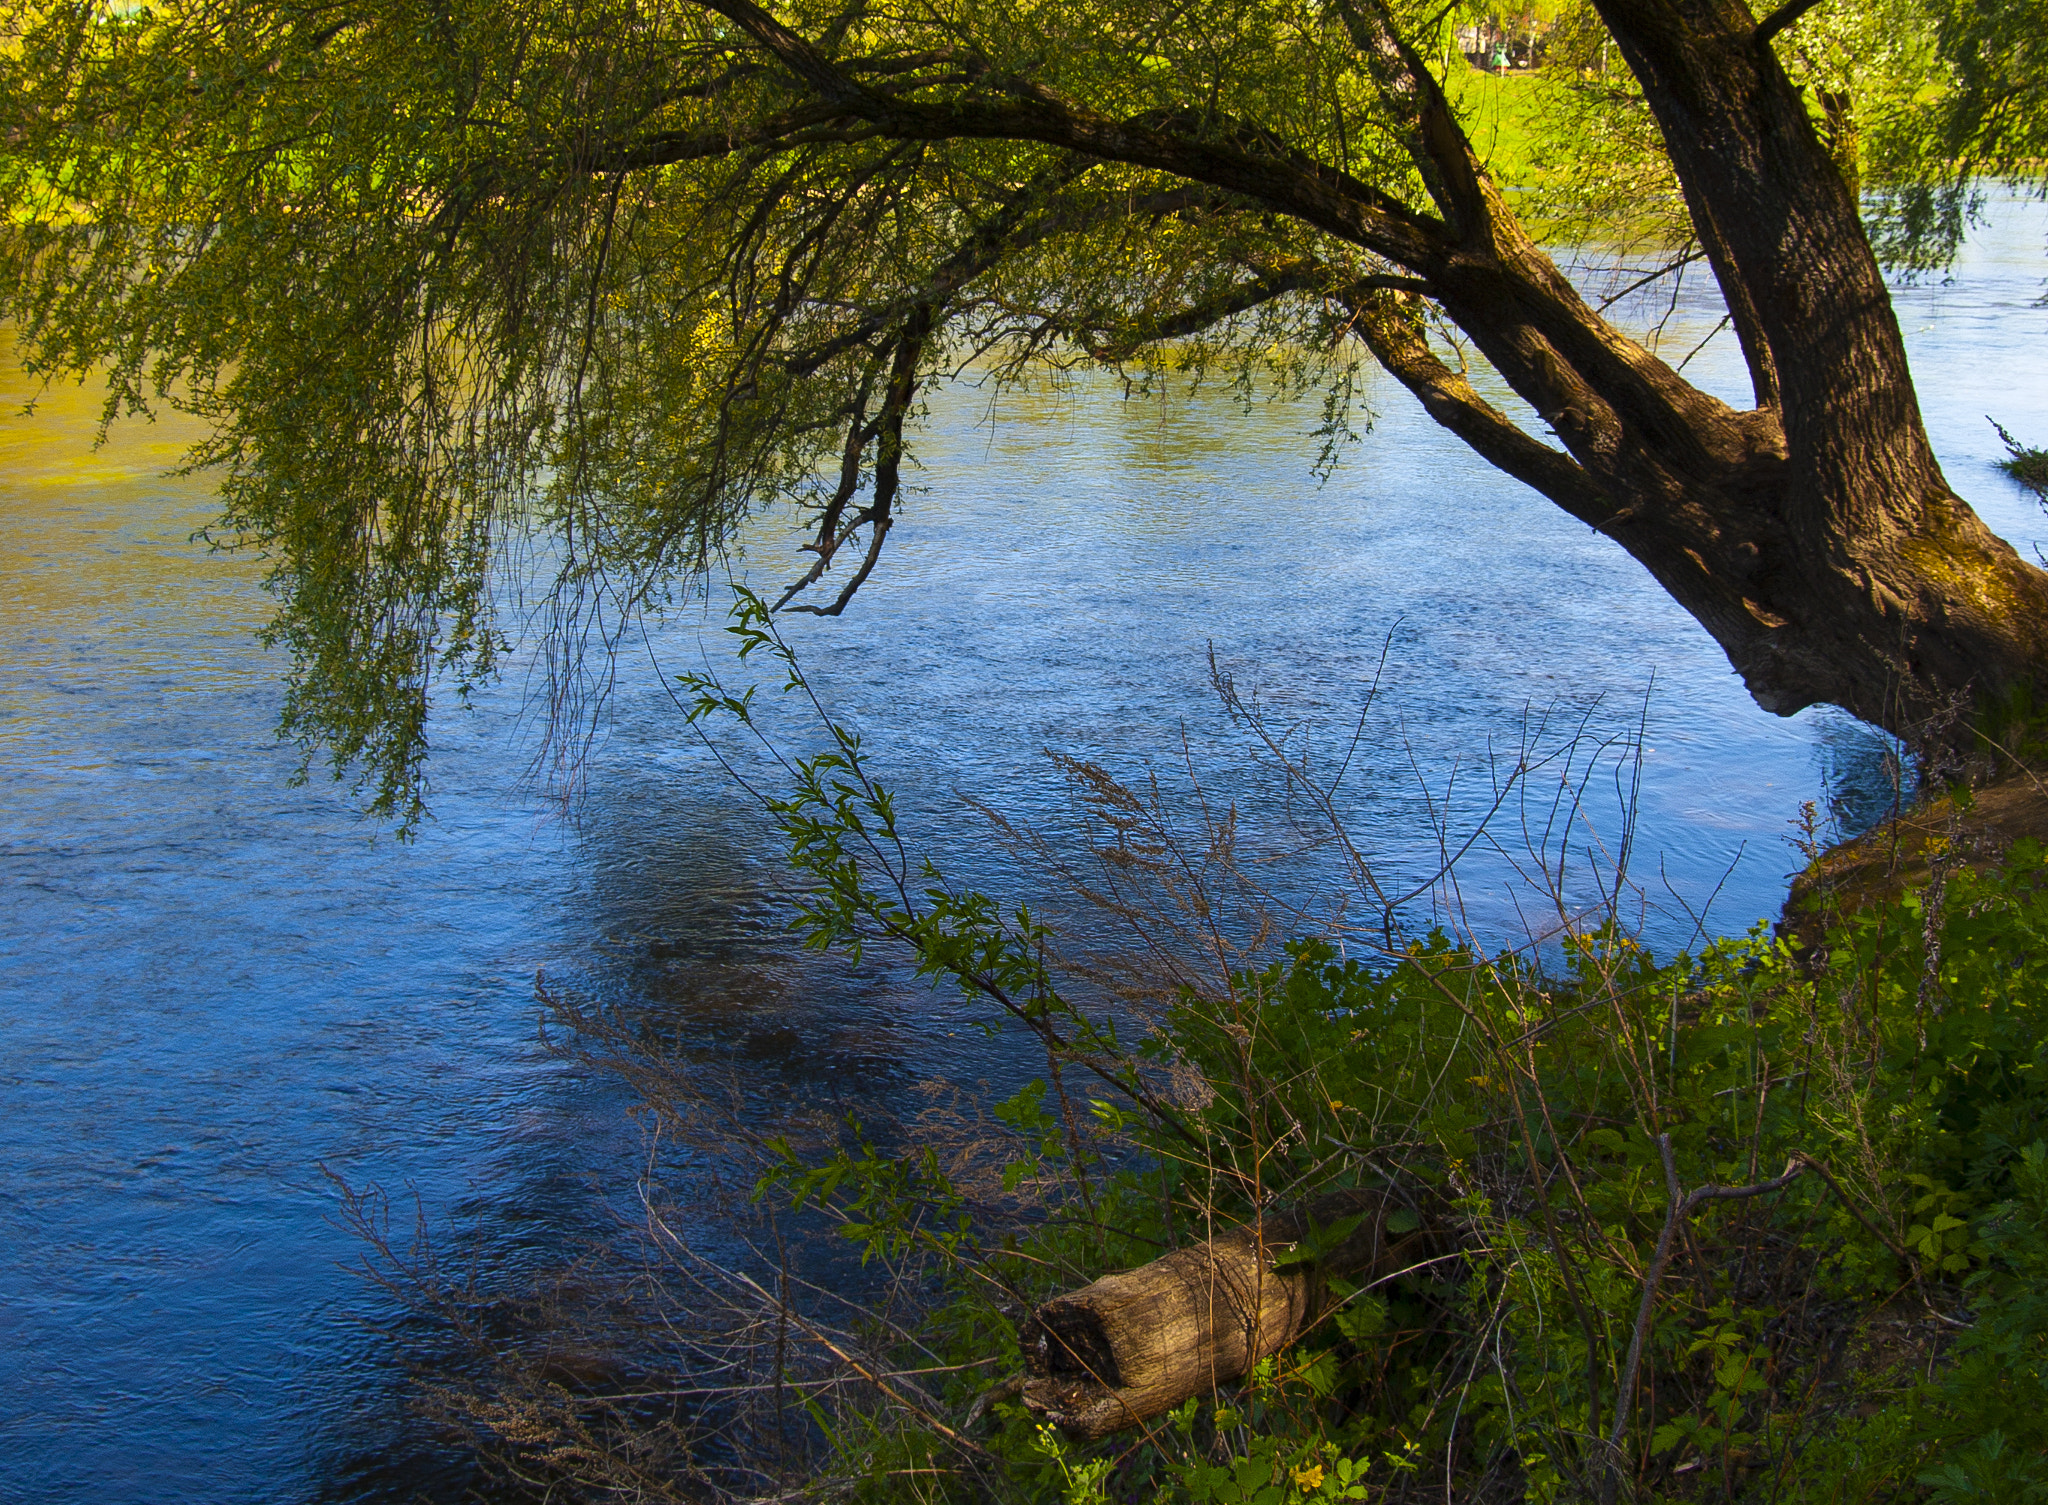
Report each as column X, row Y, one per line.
column 1814, row 537
column 1884, row 593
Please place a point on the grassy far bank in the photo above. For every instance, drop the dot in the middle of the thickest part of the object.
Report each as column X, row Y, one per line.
column 1503, row 114
column 1765, row 1223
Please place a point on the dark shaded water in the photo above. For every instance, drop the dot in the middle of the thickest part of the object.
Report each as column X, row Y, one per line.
column 215, row 988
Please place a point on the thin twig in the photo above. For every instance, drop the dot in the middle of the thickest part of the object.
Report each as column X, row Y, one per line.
column 1679, row 1208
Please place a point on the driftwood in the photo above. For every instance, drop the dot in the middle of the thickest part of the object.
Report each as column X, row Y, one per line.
column 1134, row 1345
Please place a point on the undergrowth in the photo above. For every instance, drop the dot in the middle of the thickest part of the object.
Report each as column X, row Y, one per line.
column 1750, row 1224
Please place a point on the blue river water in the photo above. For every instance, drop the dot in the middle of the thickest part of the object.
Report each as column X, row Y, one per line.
column 222, row 996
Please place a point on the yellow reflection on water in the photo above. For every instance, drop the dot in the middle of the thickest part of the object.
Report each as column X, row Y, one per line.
column 99, row 537
column 110, row 614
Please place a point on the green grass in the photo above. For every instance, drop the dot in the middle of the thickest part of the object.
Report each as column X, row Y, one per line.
column 1501, row 113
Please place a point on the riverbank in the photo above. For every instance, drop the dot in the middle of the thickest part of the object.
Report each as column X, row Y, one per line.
column 215, row 983
column 1964, row 826
column 1518, row 1297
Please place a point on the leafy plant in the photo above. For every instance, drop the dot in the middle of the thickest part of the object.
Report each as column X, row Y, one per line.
column 2023, row 463
column 1750, row 1222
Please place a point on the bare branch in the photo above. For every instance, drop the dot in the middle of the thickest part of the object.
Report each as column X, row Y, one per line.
column 896, row 400
column 1679, row 1207
column 1779, row 19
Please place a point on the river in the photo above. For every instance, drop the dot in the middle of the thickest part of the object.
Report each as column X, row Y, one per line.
column 217, row 991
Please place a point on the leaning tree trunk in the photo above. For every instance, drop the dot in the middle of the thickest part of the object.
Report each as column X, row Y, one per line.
column 1881, row 590
column 1814, row 536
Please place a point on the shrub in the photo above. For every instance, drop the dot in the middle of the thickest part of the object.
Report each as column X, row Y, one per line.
column 1745, row 1224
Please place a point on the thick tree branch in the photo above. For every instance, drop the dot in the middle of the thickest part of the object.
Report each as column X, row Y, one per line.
column 818, row 122
column 811, row 67
column 1398, row 343
column 1320, row 195
column 1742, row 310
column 1554, row 345
column 1774, row 212
column 1437, row 143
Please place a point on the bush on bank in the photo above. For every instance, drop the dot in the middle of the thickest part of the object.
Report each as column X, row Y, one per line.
column 1876, row 1328
column 1866, row 1319
column 1862, row 1316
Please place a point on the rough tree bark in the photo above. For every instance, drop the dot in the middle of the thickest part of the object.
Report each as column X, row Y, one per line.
column 1812, row 535
column 1872, row 585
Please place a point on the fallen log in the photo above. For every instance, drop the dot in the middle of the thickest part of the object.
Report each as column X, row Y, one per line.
column 1134, row 1345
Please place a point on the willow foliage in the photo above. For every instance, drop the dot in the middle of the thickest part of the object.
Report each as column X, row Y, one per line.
column 504, row 316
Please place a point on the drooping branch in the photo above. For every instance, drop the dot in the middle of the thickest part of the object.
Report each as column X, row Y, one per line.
column 1194, row 318
column 1172, row 142
column 1605, row 395
column 1007, row 233
column 1694, row 489
column 1554, row 345
column 1025, row 220
column 860, row 431
column 877, row 516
